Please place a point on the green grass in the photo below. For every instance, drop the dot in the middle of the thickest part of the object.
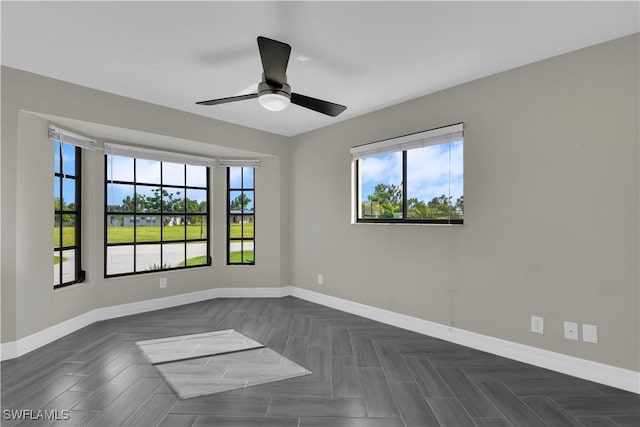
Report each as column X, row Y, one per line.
column 56, row 260
column 238, row 258
column 199, row 260
column 152, row 234
column 236, row 231
column 68, row 236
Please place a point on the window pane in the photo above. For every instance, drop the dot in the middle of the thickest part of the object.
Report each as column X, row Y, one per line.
column 148, row 171
column 57, row 260
column 241, row 226
column 381, row 186
column 68, row 194
column 172, row 174
column 434, row 182
column 235, row 201
column 241, row 201
column 148, row 228
column 173, row 200
column 68, row 265
column 57, row 220
column 235, row 251
column 240, row 252
column 120, row 259
column 247, row 177
column 68, row 160
column 119, row 168
column 196, row 253
column 196, row 227
column 173, row 228
column 148, row 258
column 196, row 200
column 196, row 176
column 120, row 228
column 147, row 198
column 247, row 252
column 120, row 198
column 246, row 201
column 235, row 226
column 68, row 230
column 56, row 156
column 247, row 226
column 56, row 194
column 235, row 177
column 173, row 255
column 457, row 178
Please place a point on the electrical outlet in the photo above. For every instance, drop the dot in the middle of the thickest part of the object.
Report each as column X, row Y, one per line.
column 163, row 282
column 537, row 324
column 571, row 331
column 320, row 279
column 590, row 333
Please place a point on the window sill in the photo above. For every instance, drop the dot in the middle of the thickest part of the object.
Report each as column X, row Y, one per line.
column 71, row 287
column 419, row 223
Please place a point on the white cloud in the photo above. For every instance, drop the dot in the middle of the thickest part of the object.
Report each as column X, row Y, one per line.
column 119, row 168
column 148, row 171
column 196, row 176
column 435, row 170
column 383, row 168
column 235, row 177
column 172, row 173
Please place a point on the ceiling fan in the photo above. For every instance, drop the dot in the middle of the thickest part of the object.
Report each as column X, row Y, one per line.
column 274, row 93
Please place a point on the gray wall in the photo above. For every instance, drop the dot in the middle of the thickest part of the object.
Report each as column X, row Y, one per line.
column 551, row 208
column 29, row 304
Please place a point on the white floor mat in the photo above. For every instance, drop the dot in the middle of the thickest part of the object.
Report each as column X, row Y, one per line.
column 202, row 364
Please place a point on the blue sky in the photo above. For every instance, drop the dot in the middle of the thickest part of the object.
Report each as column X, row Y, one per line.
column 431, row 171
column 68, row 168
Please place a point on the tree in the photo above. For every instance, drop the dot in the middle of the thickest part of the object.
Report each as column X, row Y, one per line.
column 460, row 205
column 240, row 203
column 127, row 204
column 61, row 205
column 384, row 202
column 159, row 200
column 417, row 209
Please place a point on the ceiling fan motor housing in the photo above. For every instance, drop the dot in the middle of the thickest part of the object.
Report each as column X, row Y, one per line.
column 265, row 88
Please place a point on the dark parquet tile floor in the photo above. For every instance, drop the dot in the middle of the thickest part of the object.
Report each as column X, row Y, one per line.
column 366, row 374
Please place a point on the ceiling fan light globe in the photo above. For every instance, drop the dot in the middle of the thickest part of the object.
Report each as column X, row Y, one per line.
column 274, row 101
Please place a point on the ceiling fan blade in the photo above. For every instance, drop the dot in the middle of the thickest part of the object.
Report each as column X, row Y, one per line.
column 275, row 58
column 324, row 107
column 229, row 99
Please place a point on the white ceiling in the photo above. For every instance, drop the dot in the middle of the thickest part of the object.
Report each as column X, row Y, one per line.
column 366, row 55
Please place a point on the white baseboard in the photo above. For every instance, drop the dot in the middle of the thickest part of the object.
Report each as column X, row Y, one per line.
column 13, row 349
column 593, row 371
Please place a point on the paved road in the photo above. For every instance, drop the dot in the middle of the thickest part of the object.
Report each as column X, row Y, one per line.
column 120, row 258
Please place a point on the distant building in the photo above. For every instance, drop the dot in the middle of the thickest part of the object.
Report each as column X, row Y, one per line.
column 142, row 221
